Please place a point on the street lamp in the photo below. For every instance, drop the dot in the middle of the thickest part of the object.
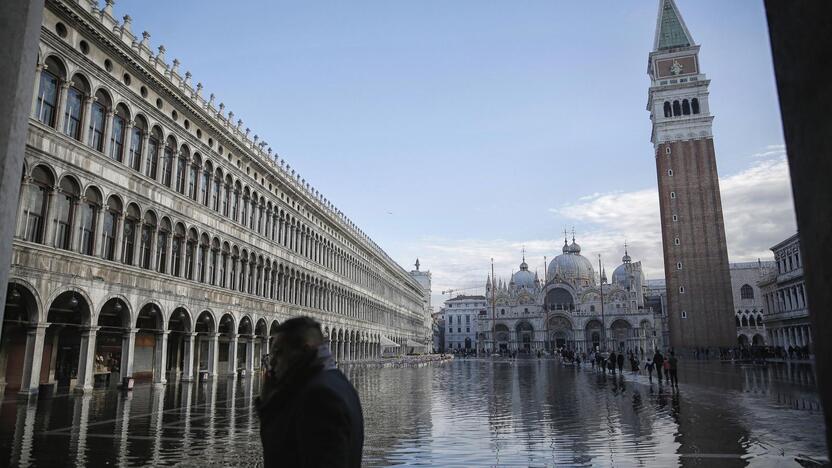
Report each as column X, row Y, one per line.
column 603, row 279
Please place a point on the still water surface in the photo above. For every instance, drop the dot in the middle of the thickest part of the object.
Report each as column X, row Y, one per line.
column 465, row 413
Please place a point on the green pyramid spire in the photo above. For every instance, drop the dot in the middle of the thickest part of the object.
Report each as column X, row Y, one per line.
column 671, row 32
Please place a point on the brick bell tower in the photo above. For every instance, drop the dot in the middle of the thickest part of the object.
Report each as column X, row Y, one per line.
column 700, row 304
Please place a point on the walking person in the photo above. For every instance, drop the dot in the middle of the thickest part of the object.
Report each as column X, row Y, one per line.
column 658, row 360
column 611, row 362
column 648, row 365
column 673, row 364
column 634, row 363
column 620, row 363
column 666, row 368
column 310, row 414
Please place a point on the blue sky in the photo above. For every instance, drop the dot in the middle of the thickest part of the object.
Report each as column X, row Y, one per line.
column 458, row 131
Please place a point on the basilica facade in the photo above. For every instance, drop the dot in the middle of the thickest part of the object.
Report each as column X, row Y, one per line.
column 569, row 308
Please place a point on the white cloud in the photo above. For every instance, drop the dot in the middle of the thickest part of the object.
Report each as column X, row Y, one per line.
column 757, row 208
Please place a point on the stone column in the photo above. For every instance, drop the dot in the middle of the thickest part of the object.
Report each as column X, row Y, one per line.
column 108, row 131
column 128, row 346
column 128, row 139
column 98, row 230
column 85, row 119
column 60, row 105
column 160, row 358
column 75, row 226
column 32, row 359
column 117, row 242
column 49, row 227
column 250, row 356
column 143, row 153
column 213, row 354
column 188, row 368
column 86, row 359
column 232, row 354
column 169, row 254
column 153, row 247
column 340, row 349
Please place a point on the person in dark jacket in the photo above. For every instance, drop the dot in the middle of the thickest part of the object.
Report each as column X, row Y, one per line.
column 310, row 414
column 658, row 360
column 620, row 362
column 611, row 362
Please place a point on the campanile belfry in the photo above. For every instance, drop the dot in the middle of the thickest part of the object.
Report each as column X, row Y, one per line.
column 700, row 307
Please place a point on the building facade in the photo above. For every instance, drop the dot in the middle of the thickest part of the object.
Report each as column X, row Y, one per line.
column 424, row 280
column 749, row 307
column 570, row 309
column 460, row 315
column 786, row 316
column 157, row 239
column 699, row 305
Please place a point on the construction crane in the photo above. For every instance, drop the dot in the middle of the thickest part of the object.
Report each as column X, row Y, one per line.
column 450, row 291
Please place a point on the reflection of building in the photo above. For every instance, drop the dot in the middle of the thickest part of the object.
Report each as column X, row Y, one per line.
column 693, row 235
column 748, row 301
column 787, row 313
column 656, row 299
column 460, row 314
column 568, row 309
column 154, row 232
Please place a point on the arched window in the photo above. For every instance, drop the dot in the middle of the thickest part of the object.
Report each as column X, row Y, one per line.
column 215, row 192
column 223, row 267
column 193, row 177
column 34, row 205
column 746, row 292
column 205, row 183
column 181, row 169
column 667, row 111
column 253, row 214
column 73, row 109
column 677, row 109
column 694, row 104
column 89, row 215
column 47, row 100
column 65, row 212
column 167, row 161
column 176, row 250
column 148, row 233
column 134, row 156
column 128, row 243
column 226, row 198
column 162, row 239
column 110, row 227
column 252, row 264
column 202, row 258
column 744, row 321
column 235, row 257
column 120, row 119
column 98, row 120
column 235, row 205
column 153, row 147
column 212, row 264
column 244, row 214
column 190, row 253
column 685, row 107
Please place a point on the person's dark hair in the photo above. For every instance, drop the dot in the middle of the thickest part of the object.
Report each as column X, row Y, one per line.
column 300, row 338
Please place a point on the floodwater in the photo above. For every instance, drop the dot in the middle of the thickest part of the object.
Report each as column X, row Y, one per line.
column 465, row 413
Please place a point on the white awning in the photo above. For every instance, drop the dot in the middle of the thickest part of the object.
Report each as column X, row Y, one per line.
column 388, row 343
column 414, row 344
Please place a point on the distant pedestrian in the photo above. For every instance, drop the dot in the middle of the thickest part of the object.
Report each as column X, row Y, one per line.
column 620, row 363
column 648, row 366
column 666, row 368
column 672, row 364
column 611, row 362
column 310, row 414
column 634, row 363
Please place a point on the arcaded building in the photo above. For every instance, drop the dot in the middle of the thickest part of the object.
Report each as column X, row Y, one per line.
column 157, row 238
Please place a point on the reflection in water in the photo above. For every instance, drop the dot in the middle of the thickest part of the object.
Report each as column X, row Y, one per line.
column 465, row 413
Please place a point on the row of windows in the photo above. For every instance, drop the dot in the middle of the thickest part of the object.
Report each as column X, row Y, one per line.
column 749, row 320
column 63, row 219
column 683, row 107
column 162, row 159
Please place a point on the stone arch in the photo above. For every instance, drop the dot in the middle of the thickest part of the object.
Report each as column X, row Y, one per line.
column 35, row 302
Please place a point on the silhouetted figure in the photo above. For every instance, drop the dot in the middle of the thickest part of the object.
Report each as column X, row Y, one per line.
column 611, row 362
column 673, row 365
column 310, row 414
column 658, row 359
column 620, row 361
column 648, row 365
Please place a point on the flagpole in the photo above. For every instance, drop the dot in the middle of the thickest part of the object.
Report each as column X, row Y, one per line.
column 493, row 309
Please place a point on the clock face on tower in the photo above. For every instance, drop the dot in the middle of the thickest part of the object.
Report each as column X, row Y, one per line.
column 677, row 66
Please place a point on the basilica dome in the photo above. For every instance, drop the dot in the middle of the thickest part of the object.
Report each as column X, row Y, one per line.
column 572, row 266
column 625, row 272
column 524, row 278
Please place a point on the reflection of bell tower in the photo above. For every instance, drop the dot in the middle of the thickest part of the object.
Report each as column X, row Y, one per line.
column 700, row 308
